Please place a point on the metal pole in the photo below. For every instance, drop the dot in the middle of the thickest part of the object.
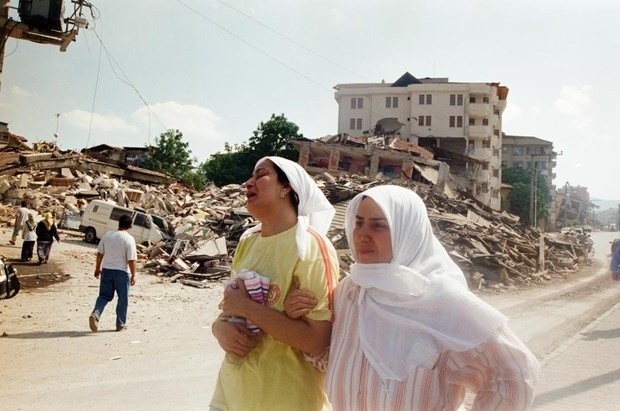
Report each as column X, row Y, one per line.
column 4, row 34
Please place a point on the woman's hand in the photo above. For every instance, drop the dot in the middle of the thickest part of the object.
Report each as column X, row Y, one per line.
column 236, row 301
column 234, row 338
column 299, row 303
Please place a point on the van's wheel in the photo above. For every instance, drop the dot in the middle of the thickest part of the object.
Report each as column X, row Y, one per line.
column 90, row 236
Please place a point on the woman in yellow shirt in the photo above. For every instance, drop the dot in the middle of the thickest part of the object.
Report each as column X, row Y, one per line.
column 274, row 371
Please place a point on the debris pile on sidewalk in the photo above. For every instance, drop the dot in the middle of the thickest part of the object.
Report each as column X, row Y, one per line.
column 491, row 247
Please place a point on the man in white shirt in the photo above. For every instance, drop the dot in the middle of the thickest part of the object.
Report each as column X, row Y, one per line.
column 20, row 219
column 116, row 260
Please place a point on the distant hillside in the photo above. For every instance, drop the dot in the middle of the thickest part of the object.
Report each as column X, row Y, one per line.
column 605, row 204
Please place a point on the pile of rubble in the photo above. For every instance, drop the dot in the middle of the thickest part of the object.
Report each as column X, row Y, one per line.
column 491, row 247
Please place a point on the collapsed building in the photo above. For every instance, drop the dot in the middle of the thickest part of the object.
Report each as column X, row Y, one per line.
column 490, row 246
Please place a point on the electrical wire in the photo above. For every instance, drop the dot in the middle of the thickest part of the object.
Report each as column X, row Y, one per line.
column 280, row 62
column 127, row 81
column 291, row 40
column 92, row 108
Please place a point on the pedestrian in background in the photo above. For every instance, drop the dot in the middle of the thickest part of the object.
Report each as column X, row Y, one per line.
column 407, row 333
column 46, row 233
column 116, row 269
column 29, row 235
column 20, row 218
column 615, row 265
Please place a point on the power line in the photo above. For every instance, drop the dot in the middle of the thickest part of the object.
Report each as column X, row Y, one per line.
column 127, row 81
column 283, row 64
column 292, row 40
column 92, row 108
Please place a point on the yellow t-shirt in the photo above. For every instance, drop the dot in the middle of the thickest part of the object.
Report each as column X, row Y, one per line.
column 275, row 376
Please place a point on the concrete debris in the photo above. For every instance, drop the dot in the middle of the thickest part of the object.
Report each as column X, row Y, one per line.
column 491, row 247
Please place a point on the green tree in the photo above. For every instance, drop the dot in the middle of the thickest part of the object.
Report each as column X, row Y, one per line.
column 231, row 166
column 235, row 164
column 170, row 155
column 519, row 199
column 273, row 138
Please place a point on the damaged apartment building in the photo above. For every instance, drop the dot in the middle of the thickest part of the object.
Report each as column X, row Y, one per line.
column 425, row 123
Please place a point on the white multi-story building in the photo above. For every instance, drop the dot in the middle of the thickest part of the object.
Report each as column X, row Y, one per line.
column 460, row 122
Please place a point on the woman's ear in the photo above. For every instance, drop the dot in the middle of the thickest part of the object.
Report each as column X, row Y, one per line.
column 284, row 191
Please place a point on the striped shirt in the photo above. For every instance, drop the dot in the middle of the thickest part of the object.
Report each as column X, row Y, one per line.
column 502, row 371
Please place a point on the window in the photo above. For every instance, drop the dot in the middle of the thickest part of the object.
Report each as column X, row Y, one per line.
column 472, row 100
column 424, row 121
column 518, row 151
column 486, row 144
column 391, row 102
column 496, row 172
column 456, row 121
column 357, row 102
column 355, row 124
column 496, row 132
column 496, row 112
column 495, row 152
column 518, row 164
column 425, row 99
column 495, row 193
column 472, row 121
column 485, row 121
column 141, row 220
column 456, row 99
column 118, row 212
column 485, row 100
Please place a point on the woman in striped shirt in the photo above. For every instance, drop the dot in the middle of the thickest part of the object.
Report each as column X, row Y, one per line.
column 407, row 333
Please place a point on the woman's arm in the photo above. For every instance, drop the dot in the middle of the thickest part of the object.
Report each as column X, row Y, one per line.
column 503, row 372
column 309, row 336
column 234, row 338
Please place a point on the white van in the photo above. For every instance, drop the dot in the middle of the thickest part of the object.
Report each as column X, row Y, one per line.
column 102, row 216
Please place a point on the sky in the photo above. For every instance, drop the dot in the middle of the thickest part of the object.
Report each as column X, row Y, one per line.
column 215, row 69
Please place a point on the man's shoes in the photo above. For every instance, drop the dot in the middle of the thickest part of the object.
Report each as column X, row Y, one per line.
column 93, row 322
column 121, row 327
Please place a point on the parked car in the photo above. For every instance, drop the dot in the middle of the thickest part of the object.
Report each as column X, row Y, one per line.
column 102, row 216
column 9, row 284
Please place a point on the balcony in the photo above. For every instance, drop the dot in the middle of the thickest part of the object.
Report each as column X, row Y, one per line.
column 481, row 154
column 477, row 132
column 479, row 110
column 479, row 88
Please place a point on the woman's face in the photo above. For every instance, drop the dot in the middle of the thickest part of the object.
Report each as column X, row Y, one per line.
column 371, row 235
column 262, row 189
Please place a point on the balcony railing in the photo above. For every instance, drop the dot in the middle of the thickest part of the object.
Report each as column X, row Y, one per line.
column 479, row 131
column 482, row 154
column 479, row 110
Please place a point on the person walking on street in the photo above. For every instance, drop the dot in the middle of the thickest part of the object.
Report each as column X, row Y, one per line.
column 20, row 218
column 46, row 233
column 29, row 235
column 615, row 265
column 116, row 268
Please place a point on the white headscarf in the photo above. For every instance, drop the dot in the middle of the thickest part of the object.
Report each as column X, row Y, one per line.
column 420, row 299
column 314, row 209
